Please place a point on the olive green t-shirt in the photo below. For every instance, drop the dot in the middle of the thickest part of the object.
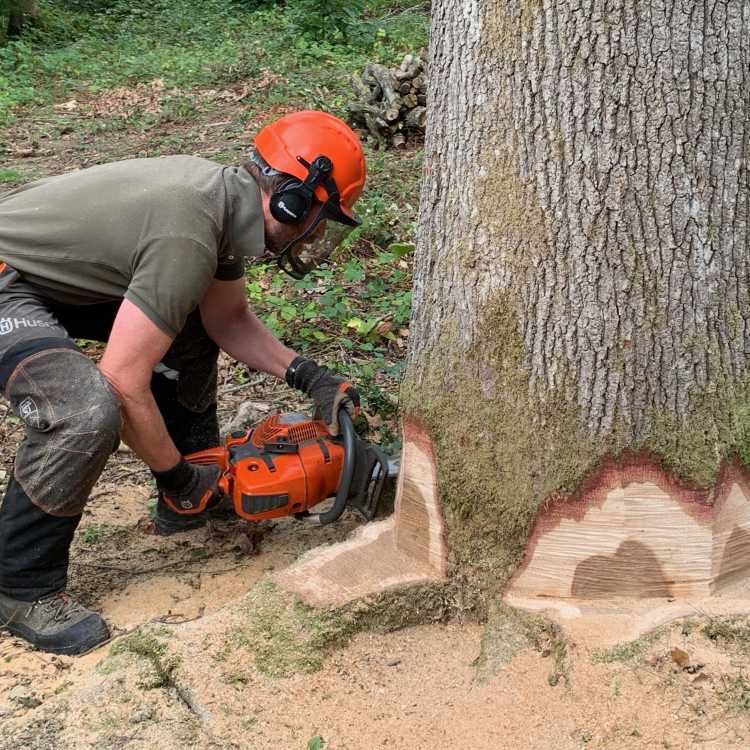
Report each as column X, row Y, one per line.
column 152, row 231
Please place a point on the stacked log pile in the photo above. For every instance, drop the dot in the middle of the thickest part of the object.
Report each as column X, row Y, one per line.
column 392, row 103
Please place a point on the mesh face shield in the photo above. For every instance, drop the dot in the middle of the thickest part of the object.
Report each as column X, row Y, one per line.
column 324, row 234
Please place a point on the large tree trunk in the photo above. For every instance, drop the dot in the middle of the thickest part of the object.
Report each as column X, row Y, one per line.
column 580, row 339
column 20, row 14
column 582, row 291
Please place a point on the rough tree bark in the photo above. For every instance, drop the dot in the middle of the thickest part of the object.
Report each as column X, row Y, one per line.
column 20, row 14
column 578, row 363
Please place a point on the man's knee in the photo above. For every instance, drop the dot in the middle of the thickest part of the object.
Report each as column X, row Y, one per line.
column 73, row 422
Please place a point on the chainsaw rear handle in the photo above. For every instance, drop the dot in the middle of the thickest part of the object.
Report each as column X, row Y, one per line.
column 347, row 471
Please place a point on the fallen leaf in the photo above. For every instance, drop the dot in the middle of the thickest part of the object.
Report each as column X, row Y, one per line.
column 383, row 327
column 679, row 657
column 68, row 106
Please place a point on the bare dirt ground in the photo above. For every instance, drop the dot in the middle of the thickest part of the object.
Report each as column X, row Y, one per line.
column 199, row 661
column 198, row 678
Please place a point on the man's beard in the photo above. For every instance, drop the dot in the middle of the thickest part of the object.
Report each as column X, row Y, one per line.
column 274, row 244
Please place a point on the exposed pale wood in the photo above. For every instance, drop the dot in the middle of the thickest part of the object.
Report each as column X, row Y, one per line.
column 391, row 115
column 366, row 563
column 410, row 67
column 606, row 622
column 410, row 101
column 638, row 536
column 405, row 549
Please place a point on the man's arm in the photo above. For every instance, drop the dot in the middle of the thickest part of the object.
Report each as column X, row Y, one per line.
column 231, row 324
column 237, row 330
column 135, row 346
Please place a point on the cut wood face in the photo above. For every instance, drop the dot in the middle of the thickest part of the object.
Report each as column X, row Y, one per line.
column 635, row 533
column 406, row 549
column 420, row 530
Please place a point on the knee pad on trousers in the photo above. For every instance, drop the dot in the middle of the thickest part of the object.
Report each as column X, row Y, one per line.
column 72, row 420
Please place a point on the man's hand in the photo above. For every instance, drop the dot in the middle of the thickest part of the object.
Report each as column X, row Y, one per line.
column 329, row 392
column 189, row 488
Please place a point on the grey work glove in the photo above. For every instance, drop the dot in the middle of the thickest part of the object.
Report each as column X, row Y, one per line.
column 189, row 488
column 329, row 392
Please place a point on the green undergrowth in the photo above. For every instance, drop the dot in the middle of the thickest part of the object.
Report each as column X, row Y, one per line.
column 10, row 176
column 84, row 46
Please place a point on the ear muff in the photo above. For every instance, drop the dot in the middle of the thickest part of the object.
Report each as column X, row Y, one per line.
column 291, row 202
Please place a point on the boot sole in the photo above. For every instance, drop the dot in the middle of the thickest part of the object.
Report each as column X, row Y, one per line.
column 164, row 527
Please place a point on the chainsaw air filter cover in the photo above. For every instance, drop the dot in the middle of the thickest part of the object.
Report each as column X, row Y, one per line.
column 285, row 465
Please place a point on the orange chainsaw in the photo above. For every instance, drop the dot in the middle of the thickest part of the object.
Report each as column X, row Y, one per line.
column 289, row 463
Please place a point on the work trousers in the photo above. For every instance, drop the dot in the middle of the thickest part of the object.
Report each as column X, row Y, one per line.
column 72, row 421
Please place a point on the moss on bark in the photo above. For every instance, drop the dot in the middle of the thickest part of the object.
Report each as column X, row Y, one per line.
column 500, row 455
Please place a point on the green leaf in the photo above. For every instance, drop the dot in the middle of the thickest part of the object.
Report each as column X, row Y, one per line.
column 288, row 312
column 353, row 271
column 399, row 249
column 384, row 259
column 316, row 743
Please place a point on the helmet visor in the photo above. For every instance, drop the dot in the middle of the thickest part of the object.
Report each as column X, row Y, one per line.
column 311, row 248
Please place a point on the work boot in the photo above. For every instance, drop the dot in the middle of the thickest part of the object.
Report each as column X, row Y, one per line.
column 167, row 522
column 54, row 623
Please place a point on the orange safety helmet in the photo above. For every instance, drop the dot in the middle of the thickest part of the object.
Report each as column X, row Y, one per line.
column 300, row 137
column 324, row 159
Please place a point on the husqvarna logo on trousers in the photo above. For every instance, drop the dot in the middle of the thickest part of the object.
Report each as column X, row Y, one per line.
column 7, row 325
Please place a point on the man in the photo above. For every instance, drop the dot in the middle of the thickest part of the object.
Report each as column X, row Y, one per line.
column 147, row 255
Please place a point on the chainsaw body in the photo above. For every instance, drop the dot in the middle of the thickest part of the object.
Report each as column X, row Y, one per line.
column 289, row 463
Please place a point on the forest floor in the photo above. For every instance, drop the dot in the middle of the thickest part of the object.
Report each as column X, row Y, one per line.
column 203, row 654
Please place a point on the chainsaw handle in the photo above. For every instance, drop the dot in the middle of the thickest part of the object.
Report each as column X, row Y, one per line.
column 347, row 471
